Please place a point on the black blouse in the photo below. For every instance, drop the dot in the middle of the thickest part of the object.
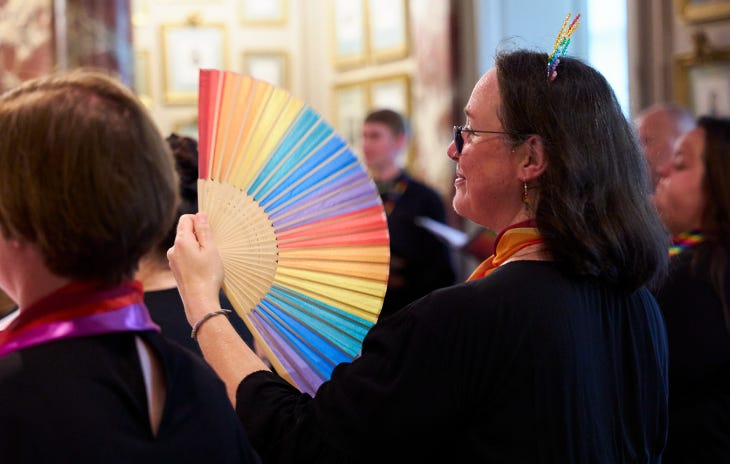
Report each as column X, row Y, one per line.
column 525, row 365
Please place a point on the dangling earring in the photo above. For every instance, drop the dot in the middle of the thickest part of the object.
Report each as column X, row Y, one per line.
column 525, row 198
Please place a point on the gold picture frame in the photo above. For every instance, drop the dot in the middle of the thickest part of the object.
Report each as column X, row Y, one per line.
column 350, row 108
column 703, row 11
column 142, row 79
column 391, row 92
column 702, row 82
column 271, row 66
column 186, row 48
column 263, row 13
column 349, row 40
column 394, row 93
column 387, row 30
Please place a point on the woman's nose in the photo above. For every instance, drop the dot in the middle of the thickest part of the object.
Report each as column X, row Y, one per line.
column 451, row 151
column 665, row 169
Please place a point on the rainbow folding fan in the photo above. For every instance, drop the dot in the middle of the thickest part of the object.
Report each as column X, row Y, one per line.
column 298, row 223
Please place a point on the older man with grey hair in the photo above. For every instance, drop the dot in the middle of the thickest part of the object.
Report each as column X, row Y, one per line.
column 659, row 126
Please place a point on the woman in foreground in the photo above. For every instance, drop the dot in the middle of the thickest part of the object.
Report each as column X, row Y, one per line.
column 553, row 351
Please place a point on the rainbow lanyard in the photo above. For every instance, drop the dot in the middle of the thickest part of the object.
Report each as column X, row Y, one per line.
column 391, row 196
column 78, row 309
column 509, row 241
column 685, row 240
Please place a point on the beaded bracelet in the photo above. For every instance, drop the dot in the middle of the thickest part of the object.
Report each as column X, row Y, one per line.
column 196, row 327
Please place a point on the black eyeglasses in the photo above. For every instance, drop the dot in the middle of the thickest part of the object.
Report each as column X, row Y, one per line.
column 459, row 140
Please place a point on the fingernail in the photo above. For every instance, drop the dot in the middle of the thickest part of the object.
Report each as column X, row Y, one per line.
column 203, row 218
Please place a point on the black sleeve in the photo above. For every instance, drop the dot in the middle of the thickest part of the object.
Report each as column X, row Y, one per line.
column 385, row 392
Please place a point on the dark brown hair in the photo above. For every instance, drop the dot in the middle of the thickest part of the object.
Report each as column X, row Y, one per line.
column 185, row 153
column 712, row 254
column 594, row 212
column 85, row 174
column 389, row 118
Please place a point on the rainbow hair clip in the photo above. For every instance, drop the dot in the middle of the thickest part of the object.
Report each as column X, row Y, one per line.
column 561, row 46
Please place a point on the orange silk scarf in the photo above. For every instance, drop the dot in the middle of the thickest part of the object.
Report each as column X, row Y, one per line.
column 509, row 241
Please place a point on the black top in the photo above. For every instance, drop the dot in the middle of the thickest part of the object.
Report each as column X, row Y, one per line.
column 699, row 367
column 525, row 365
column 83, row 400
column 419, row 261
column 167, row 310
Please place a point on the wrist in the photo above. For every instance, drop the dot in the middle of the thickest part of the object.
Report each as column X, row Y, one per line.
column 197, row 307
column 205, row 318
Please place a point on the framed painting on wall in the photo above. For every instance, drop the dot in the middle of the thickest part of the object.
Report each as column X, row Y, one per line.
column 703, row 10
column 348, row 32
column 702, row 82
column 351, row 106
column 269, row 66
column 187, row 48
column 387, row 29
column 392, row 92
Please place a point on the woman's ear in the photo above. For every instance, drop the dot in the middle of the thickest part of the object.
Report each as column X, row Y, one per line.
column 534, row 162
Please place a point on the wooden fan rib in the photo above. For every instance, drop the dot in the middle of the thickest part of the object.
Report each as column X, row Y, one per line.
column 242, row 298
column 237, row 221
column 261, row 274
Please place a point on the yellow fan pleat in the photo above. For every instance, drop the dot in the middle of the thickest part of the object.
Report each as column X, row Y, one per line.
column 360, row 295
column 369, row 254
column 371, row 271
column 273, row 123
column 358, row 304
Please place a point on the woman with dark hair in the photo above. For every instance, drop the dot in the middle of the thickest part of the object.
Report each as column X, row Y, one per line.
column 553, row 351
column 87, row 187
column 693, row 198
column 160, row 289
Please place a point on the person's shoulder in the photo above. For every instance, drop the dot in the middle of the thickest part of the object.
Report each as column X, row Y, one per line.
column 539, row 275
column 11, row 367
column 174, row 354
column 419, row 185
